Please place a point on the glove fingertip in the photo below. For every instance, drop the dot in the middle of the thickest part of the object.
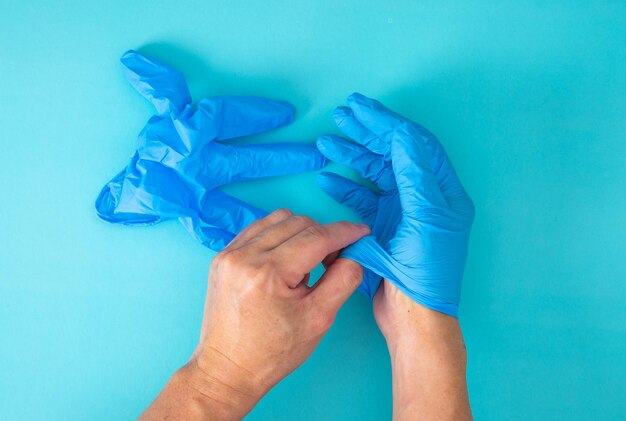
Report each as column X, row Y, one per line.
column 356, row 96
column 341, row 113
column 128, row 55
column 337, row 148
column 330, row 183
column 134, row 61
column 285, row 109
column 324, row 179
column 312, row 155
column 335, row 185
column 358, row 100
column 317, row 158
column 323, row 142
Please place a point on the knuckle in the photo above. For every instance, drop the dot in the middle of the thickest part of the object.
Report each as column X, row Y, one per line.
column 256, row 272
column 242, row 269
column 282, row 213
column 229, row 259
column 303, row 220
column 219, row 257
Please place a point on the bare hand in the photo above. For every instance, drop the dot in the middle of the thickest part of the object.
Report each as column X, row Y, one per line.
column 261, row 319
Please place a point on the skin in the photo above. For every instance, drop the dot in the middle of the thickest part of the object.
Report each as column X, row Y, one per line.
column 262, row 321
column 428, row 358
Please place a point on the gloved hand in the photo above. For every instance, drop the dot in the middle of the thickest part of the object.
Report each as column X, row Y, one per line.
column 181, row 161
column 422, row 216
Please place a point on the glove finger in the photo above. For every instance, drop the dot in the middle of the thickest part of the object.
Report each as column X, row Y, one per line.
column 384, row 123
column 221, row 218
column 357, row 197
column 417, row 184
column 146, row 192
column 375, row 116
column 223, row 211
column 160, row 84
column 440, row 165
column 214, row 238
column 272, row 159
column 346, row 122
column 236, row 116
column 107, row 205
column 368, row 164
column 453, row 191
column 449, row 183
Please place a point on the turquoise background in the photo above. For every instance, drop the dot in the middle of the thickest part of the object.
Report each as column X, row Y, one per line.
column 528, row 97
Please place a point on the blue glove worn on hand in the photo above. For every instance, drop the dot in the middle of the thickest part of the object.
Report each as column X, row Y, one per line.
column 180, row 160
column 421, row 218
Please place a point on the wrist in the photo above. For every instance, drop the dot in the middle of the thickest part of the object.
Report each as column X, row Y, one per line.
column 189, row 395
column 429, row 343
column 422, row 327
column 226, row 389
column 428, row 347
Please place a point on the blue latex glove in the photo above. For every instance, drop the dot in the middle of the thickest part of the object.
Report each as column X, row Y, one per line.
column 181, row 161
column 422, row 216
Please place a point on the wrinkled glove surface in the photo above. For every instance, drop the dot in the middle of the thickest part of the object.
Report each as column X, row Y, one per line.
column 181, row 159
column 421, row 216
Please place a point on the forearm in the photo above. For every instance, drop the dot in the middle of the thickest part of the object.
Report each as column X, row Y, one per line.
column 179, row 400
column 429, row 368
column 208, row 393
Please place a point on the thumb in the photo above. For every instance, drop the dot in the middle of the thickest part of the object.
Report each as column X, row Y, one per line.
column 337, row 284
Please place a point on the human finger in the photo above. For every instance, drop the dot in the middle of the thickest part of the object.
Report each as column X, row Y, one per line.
column 300, row 254
column 275, row 235
column 337, row 284
column 253, row 229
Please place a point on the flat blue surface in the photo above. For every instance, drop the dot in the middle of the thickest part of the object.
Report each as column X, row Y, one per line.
column 529, row 99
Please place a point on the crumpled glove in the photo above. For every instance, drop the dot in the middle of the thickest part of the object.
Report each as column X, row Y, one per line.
column 421, row 217
column 181, row 160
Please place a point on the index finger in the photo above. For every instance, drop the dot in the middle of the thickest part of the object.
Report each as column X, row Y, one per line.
column 300, row 254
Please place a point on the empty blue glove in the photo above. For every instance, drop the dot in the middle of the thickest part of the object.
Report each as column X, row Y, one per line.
column 422, row 216
column 181, row 161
